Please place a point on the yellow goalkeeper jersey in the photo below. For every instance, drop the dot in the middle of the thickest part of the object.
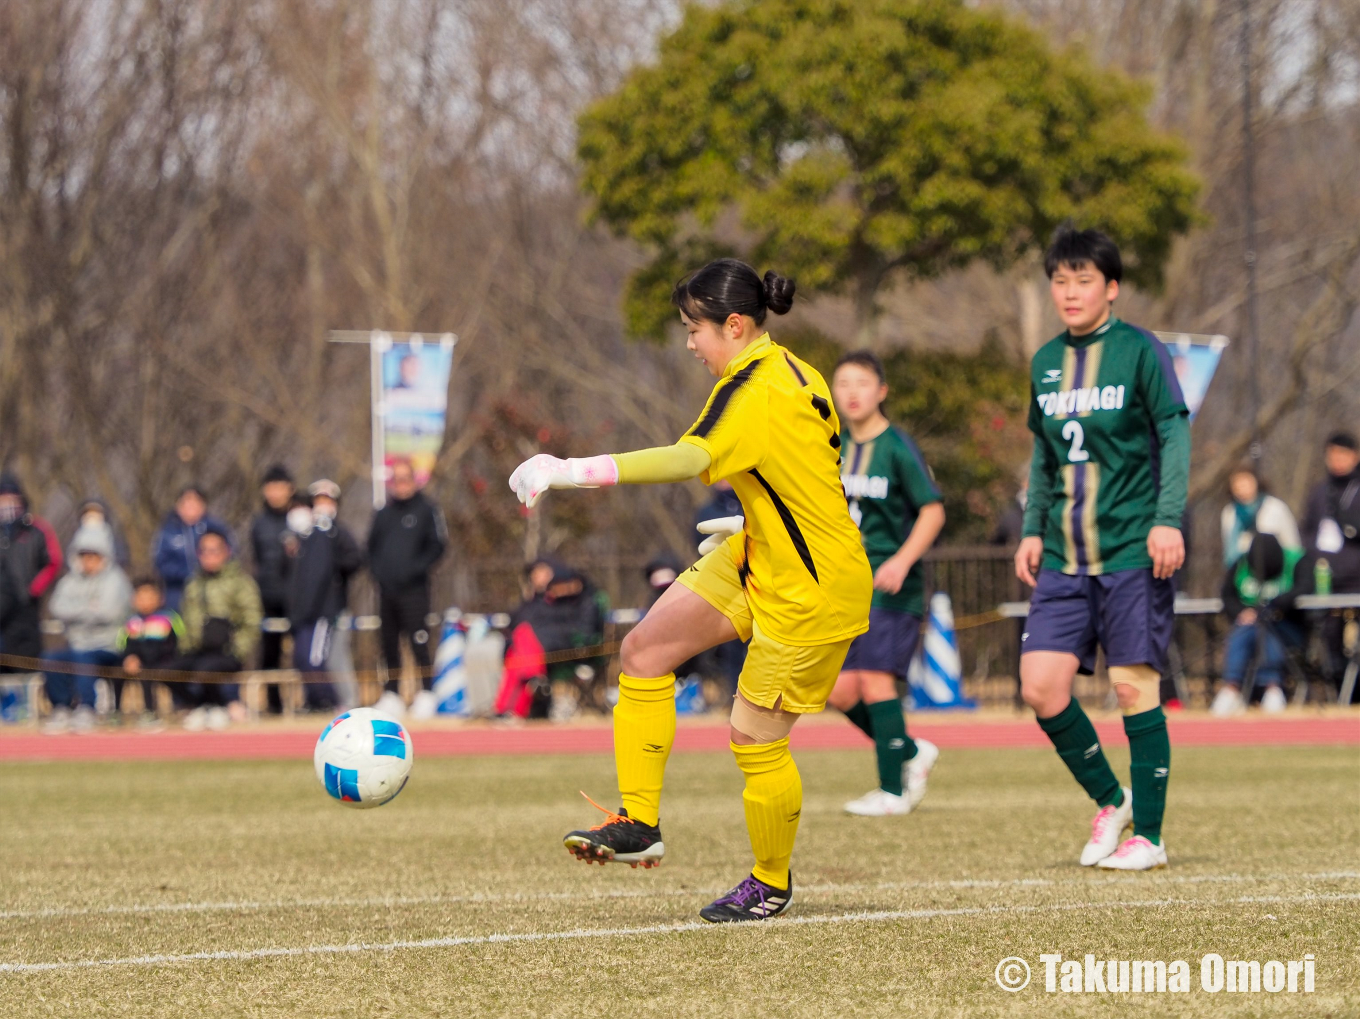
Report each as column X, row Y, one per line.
column 771, row 430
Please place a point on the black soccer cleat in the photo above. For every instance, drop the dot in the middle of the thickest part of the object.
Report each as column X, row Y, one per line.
column 753, row 899
column 617, row 839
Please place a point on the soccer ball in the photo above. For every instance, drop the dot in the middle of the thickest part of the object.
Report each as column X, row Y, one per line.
column 363, row 758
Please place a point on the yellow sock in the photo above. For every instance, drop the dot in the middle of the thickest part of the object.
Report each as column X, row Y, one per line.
column 644, row 729
column 774, row 801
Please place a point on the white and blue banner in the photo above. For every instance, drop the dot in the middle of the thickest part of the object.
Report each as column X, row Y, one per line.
column 935, row 678
column 450, row 666
column 1195, row 358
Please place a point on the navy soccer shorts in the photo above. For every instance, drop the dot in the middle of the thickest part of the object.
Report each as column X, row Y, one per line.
column 888, row 645
column 1130, row 614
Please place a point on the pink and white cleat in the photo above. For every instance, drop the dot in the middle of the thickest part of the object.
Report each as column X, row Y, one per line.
column 1106, row 827
column 1137, row 853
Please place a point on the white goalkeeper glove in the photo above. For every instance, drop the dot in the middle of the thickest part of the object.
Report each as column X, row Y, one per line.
column 718, row 531
column 542, row 472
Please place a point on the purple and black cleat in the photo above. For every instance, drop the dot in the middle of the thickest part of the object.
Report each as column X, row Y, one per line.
column 753, row 899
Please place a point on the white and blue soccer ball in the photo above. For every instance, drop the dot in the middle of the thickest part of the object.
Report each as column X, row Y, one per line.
column 363, row 758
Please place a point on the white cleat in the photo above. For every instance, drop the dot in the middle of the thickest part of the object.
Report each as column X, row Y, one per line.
column 1106, row 827
column 1137, row 853
column 1272, row 701
column 1227, row 702
column 879, row 803
column 917, row 770
column 390, row 703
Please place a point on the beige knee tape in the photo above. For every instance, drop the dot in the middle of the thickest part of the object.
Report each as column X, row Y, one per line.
column 764, row 725
column 1143, row 678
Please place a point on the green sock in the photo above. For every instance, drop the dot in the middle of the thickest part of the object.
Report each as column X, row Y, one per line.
column 859, row 715
column 1149, row 767
column 1079, row 747
column 890, row 743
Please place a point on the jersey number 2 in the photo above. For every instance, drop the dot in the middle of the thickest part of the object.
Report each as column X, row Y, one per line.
column 1072, row 431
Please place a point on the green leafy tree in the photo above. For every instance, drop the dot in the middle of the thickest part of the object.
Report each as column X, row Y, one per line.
column 844, row 141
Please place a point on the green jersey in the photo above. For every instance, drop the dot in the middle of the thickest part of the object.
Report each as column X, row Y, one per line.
column 1111, row 449
column 887, row 482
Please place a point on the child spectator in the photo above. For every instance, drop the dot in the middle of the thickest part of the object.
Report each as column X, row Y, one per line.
column 222, row 615
column 174, row 548
column 150, row 639
column 92, row 602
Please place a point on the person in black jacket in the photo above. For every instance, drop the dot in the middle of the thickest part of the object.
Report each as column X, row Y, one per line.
column 324, row 556
column 267, row 531
column 407, row 539
column 30, row 559
column 1331, row 532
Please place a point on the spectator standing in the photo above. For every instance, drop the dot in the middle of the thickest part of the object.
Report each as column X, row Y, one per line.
column 150, row 638
column 406, row 540
column 174, row 549
column 1331, row 534
column 222, row 615
column 324, row 557
column 1252, row 511
column 92, row 602
column 30, row 559
column 268, row 532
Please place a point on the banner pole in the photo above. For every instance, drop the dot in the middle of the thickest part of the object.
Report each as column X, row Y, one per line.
column 375, row 353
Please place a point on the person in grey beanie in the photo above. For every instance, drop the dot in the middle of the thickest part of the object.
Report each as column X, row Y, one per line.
column 92, row 602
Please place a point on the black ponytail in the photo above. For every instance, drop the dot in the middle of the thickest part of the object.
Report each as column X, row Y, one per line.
column 727, row 287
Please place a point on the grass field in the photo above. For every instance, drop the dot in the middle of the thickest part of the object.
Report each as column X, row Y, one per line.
column 901, row 916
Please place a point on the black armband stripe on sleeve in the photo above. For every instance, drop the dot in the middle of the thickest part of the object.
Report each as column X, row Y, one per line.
column 715, row 410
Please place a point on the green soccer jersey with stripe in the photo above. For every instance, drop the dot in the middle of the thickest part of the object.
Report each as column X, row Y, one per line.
column 886, row 483
column 1111, row 448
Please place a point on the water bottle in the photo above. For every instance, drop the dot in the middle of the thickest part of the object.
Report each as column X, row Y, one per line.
column 1322, row 577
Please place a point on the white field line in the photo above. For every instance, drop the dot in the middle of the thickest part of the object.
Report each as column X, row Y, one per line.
column 878, row 916
column 608, row 894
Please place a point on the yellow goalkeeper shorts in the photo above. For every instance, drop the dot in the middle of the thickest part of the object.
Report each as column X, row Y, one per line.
column 796, row 679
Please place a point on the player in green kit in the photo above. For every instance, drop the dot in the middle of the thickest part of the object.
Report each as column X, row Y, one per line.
column 1102, row 539
column 896, row 505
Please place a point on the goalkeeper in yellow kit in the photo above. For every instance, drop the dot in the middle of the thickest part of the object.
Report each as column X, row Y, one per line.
column 791, row 578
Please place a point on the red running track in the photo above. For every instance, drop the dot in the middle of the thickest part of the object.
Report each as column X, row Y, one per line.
column 535, row 739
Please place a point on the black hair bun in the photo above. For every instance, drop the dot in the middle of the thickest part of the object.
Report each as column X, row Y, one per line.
column 778, row 292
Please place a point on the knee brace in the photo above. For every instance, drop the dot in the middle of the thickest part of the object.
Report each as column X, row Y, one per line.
column 1146, row 680
column 764, row 725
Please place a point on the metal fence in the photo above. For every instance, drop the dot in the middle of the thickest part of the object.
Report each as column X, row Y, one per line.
column 976, row 578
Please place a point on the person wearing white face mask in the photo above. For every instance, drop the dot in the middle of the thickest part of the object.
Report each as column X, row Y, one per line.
column 324, row 555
